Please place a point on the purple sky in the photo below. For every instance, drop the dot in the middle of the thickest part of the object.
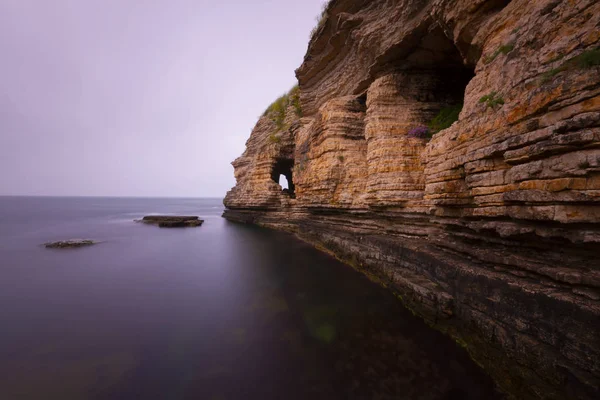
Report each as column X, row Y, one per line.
column 136, row 97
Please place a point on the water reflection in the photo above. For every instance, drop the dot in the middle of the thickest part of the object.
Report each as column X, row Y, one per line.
column 225, row 311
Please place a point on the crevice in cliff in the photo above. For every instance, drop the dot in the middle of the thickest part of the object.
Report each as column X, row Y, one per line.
column 493, row 6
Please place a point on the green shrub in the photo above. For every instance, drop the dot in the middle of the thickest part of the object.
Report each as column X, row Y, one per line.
column 277, row 111
column 341, row 158
column 445, row 118
column 492, row 100
column 587, row 59
column 504, row 49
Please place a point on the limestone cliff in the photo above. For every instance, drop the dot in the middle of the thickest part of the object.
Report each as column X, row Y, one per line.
column 491, row 229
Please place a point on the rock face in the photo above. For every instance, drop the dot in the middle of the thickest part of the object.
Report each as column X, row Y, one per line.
column 490, row 230
column 172, row 221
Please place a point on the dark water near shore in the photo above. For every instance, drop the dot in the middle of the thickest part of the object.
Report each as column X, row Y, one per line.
column 223, row 311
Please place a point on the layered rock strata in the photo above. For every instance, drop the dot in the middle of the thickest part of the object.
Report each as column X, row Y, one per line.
column 491, row 229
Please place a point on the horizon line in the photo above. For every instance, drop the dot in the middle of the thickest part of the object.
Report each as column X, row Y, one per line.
column 113, row 196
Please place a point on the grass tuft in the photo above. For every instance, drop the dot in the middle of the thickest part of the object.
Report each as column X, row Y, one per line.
column 445, row 118
column 320, row 19
column 504, row 49
column 277, row 111
column 587, row 59
column 492, row 100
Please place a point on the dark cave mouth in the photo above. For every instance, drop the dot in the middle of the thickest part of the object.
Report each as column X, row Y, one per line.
column 440, row 62
column 284, row 167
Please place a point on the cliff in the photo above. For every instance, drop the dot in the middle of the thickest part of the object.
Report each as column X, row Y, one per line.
column 490, row 229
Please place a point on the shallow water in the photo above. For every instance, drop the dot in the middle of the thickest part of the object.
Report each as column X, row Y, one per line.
column 224, row 311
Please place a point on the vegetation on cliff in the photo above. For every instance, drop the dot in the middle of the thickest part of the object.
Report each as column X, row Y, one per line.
column 321, row 19
column 587, row 59
column 504, row 49
column 443, row 120
column 278, row 110
column 492, row 100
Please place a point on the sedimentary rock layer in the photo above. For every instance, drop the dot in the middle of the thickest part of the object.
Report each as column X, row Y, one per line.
column 491, row 229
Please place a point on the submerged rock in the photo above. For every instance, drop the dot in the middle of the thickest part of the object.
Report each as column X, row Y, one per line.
column 69, row 244
column 172, row 221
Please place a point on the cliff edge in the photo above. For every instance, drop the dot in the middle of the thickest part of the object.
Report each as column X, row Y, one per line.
column 452, row 150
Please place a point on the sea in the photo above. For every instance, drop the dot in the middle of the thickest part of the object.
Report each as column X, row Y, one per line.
column 222, row 311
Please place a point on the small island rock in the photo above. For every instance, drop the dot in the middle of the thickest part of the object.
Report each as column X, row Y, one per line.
column 172, row 221
column 69, row 244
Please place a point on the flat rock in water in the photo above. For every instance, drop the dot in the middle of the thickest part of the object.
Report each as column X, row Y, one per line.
column 172, row 221
column 69, row 244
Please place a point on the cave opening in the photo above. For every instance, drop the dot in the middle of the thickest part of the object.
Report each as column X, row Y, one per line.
column 445, row 73
column 283, row 182
column 283, row 168
column 362, row 101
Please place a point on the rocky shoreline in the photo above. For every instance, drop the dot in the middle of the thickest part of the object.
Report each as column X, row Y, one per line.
column 490, row 229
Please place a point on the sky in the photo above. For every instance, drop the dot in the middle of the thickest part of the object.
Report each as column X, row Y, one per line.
column 137, row 97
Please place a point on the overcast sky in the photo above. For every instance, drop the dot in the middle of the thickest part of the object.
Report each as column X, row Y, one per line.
column 136, row 97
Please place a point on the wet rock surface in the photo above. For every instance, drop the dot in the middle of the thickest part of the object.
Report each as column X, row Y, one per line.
column 172, row 221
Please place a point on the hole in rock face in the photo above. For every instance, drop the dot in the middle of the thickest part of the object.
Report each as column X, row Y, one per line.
column 452, row 83
column 438, row 55
column 283, row 182
column 362, row 101
column 284, row 167
column 442, row 76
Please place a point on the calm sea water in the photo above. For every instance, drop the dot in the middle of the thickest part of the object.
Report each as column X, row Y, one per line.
column 223, row 311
